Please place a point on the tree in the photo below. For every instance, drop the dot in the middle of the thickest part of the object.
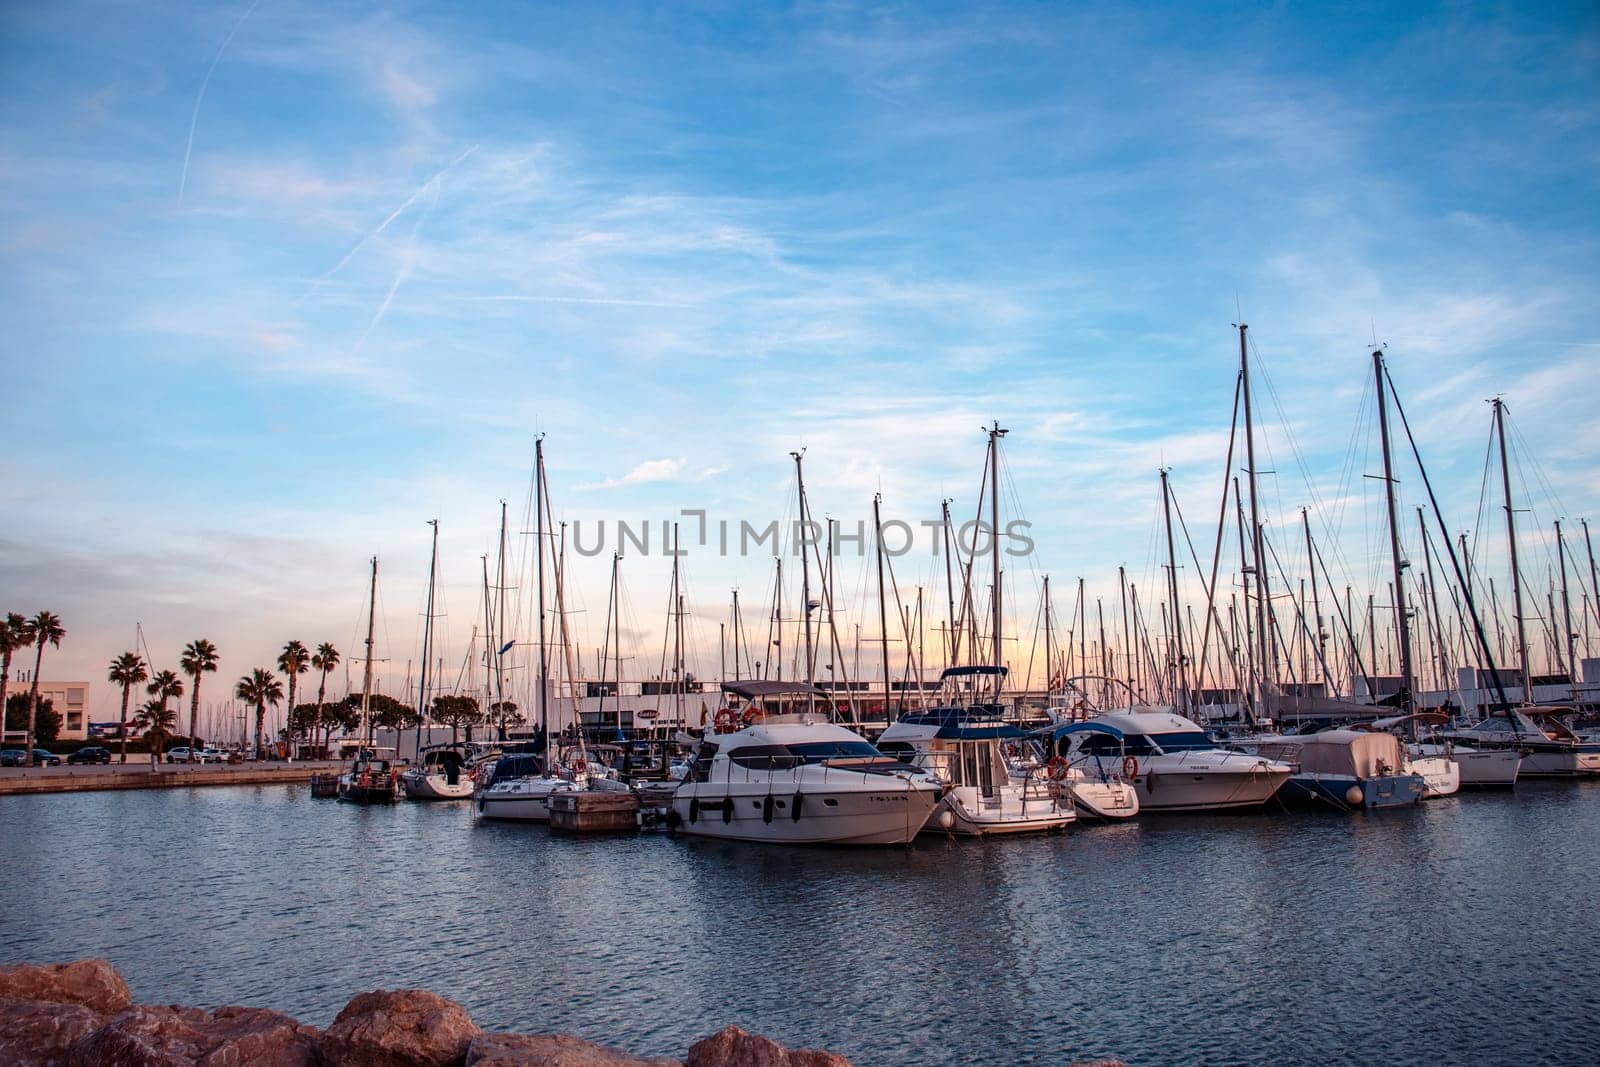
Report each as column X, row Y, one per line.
column 13, row 635
column 325, row 660
column 506, row 714
column 387, row 713
column 127, row 670
column 199, row 656
column 294, row 660
column 43, row 627
column 259, row 688
column 457, row 710
column 48, row 721
column 164, row 686
column 157, row 722
column 343, row 715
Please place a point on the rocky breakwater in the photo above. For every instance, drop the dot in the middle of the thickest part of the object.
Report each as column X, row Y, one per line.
column 82, row 1015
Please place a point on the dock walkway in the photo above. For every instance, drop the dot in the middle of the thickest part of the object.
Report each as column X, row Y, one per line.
column 137, row 774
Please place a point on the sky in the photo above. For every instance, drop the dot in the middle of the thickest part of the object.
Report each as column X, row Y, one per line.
column 285, row 281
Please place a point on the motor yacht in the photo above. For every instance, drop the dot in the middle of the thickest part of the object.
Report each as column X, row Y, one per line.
column 1172, row 763
column 794, row 776
column 442, row 773
column 1548, row 747
column 1095, row 785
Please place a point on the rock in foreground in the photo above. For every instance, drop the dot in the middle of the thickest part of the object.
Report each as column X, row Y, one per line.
column 81, row 1015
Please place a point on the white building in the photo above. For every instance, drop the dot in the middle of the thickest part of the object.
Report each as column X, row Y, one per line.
column 70, row 700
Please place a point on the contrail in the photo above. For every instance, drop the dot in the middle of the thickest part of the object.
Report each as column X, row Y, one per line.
column 405, row 268
column 194, row 117
column 396, row 213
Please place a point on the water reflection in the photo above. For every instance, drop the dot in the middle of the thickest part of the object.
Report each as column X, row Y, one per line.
column 1239, row 939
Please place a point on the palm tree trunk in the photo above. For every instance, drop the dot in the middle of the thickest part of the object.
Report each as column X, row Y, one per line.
column 261, row 715
column 194, row 714
column 288, row 722
column 316, row 719
column 5, row 683
column 33, row 699
column 122, row 731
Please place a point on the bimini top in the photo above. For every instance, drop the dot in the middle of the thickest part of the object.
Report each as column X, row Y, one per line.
column 1426, row 718
column 516, row 766
column 961, row 724
column 1056, row 733
column 975, row 669
column 1148, row 722
column 755, row 688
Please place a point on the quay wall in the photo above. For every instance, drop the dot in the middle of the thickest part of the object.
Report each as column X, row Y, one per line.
column 16, row 781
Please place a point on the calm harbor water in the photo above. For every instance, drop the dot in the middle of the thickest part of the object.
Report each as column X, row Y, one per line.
column 1463, row 931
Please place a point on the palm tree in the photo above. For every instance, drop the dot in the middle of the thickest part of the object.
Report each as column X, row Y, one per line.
column 157, row 722
column 164, row 686
column 260, row 687
column 326, row 659
column 43, row 627
column 294, row 660
column 127, row 670
column 199, row 656
column 13, row 635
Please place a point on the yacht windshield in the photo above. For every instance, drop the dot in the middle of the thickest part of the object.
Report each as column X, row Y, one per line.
column 1183, row 741
column 818, row 751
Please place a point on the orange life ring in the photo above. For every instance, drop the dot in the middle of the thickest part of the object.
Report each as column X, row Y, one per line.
column 751, row 716
column 1130, row 767
column 726, row 721
column 1056, row 768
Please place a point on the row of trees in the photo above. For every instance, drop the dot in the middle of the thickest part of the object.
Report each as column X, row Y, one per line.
column 19, row 632
column 260, row 689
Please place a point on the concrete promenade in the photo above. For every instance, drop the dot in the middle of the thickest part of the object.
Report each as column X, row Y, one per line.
column 138, row 774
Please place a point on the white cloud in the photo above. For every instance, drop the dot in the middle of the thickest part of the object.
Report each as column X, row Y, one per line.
column 651, row 470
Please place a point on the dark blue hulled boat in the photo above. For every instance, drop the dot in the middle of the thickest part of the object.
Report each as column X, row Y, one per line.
column 1344, row 769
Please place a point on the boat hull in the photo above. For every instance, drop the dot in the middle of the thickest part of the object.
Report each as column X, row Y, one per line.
column 973, row 815
column 1210, row 790
column 522, row 801
column 1441, row 775
column 737, row 812
column 1105, row 800
column 435, row 787
column 1347, row 793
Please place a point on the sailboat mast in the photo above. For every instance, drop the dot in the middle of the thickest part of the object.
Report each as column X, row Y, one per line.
column 883, row 611
column 538, row 536
column 366, row 670
column 1257, row 550
column 995, row 433
column 1402, row 626
column 952, row 636
column 1594, row 586
column 1321, row 637
column 1049, row 663
column 1566, row 612
column 1180, row 679
column 802, row 534
column 1511, row 541
column 500, row 627
column 427, row 638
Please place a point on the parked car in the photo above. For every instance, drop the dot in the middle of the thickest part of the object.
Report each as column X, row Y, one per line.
column 90, row 754
column 45, row 758
column 213, row 755
column 13, row 757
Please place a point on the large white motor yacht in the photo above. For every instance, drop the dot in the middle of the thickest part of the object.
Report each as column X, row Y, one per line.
column 795, row 777
column 1547, row 745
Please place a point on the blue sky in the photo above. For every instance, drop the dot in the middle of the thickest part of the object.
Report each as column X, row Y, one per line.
column 270, row 306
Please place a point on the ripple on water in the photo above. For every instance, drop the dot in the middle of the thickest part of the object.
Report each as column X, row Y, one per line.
column 1460, row 931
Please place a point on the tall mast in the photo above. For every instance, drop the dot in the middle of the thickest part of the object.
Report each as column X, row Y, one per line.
column 1257, row 550
column 1321, row 637
column 1402, row 626
column 883, row 611
column 1593, row 586
column 1180, row 677
column 680, row 680
column 1049, row 668
column 801, row 536
column 1566, row 611
column 538, row 535
column 500, row 627
column 427, row 638
column 995, row 433
column 366, row 670
column 490, row 643
column 1511, row 540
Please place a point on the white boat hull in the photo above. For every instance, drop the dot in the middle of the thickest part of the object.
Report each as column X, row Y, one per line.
column 522, row 800
column 435, row 786
column 1488, row 768
column 1441, row 775
column 1013, row 809
column 1105, row 800
column 1180, row 790
column 738, row 811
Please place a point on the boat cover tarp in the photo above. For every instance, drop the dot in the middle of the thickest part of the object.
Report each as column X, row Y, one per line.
column 975, row 669
column 1346, row 753
column 960, row 724
column 1056, row 733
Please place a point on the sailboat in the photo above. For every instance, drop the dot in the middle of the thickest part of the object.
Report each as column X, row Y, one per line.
column 369, row 780
column 440, row 772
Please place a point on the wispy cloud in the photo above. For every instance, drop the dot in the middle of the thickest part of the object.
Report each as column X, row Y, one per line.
column 651, row 470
